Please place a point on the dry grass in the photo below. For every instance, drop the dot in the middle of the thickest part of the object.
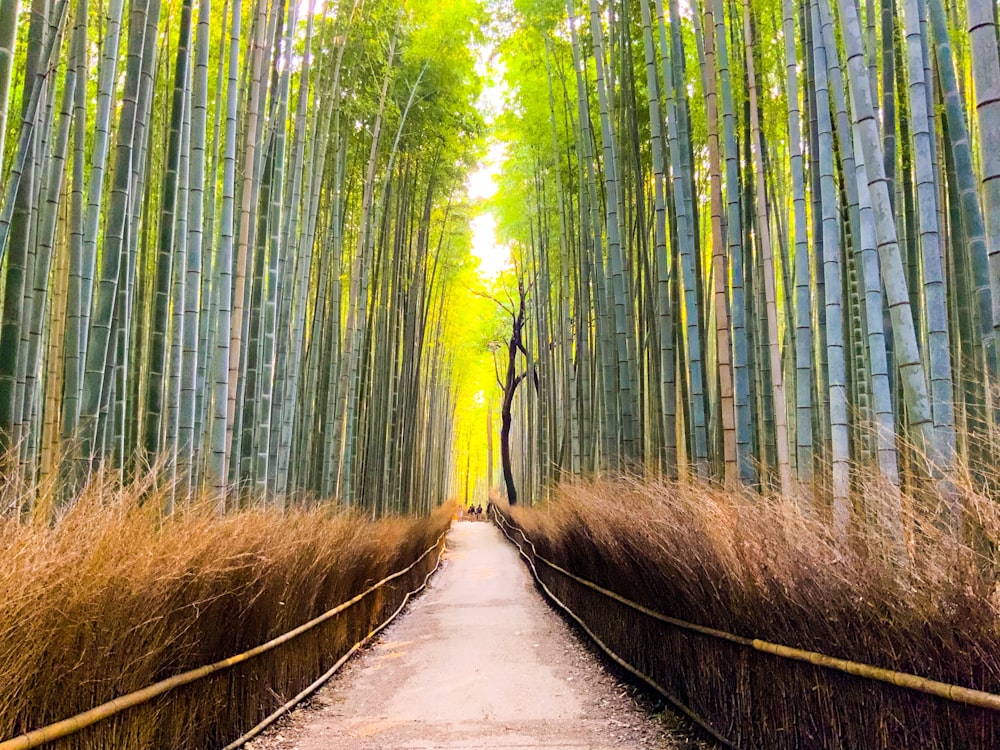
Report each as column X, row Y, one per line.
column 761, row 568
column 109, row 598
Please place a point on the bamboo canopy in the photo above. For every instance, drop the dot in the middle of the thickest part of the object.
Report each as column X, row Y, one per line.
column 230, row 235
column 759, row 243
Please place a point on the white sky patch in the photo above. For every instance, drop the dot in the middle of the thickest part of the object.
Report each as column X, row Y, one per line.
column 481, row 184
column 493, row 255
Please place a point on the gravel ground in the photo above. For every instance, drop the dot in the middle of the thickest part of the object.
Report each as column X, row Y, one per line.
column 479, row 661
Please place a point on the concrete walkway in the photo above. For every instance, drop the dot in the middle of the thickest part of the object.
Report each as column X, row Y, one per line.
column 479, row 661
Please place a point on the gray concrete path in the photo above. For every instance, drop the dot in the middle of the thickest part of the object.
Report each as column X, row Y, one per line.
column 479, row 661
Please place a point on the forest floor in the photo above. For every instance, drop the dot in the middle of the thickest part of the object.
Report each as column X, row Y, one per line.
column 478, row 661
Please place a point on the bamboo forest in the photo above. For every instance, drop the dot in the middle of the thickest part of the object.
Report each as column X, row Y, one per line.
column 727, row 268
column 754, row 244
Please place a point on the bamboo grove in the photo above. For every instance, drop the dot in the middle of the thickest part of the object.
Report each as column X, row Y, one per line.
column 230, row 232
column 763, row 243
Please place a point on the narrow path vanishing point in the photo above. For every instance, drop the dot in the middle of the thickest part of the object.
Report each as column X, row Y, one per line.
column 479, row 661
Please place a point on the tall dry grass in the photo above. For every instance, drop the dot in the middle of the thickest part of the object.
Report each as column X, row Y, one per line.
column 110, row 598
column 761, row 568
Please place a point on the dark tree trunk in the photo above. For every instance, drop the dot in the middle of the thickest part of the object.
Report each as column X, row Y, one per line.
column 508, row 473
column 509, row 385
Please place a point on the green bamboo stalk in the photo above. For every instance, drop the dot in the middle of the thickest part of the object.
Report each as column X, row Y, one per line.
column 74, row 352
column 885, row 418
column 178, row 333
column 8, row 36
column 14, row 228
column 802, row 306
column 767, row 260
column 606, row 447
column 935, row 304
column 107, row 75
column 986, row 75
column 734, row 241
column 616, row 260
column 911, row 370
column 240, row 267
column 303, row 270
column 356, row 325
column 276, row 251
column 156, row 369
column 665, row 327
column 840, row 452
column 52, row 189
column 209, row 294
column 220, row 417
column 138, row 237
column 721, row 262
column 187, row 434
column 679, row 148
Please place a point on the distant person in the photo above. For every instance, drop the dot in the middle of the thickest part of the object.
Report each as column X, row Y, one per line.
column 472, row 511
column 479, row 511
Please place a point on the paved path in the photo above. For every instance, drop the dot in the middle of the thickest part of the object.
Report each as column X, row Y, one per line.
column 479, row 661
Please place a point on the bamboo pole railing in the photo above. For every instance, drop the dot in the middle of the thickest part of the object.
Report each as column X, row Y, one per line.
column 669, row 696
column 322, row 679
column 907, row 681
column 66, row 727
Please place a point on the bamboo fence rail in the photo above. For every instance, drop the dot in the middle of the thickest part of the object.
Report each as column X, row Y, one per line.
column 61, row 729
column 938, row 689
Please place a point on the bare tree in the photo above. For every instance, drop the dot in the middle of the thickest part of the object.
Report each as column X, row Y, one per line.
column 511, row 379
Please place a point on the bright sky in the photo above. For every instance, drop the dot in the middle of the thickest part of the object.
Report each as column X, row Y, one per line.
column 481, row 185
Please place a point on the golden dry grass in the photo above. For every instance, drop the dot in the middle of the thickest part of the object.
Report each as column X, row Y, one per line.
column 110, row 598
column 762, row 568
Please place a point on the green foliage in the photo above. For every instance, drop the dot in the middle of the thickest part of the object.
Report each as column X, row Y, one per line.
column 350, row 256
